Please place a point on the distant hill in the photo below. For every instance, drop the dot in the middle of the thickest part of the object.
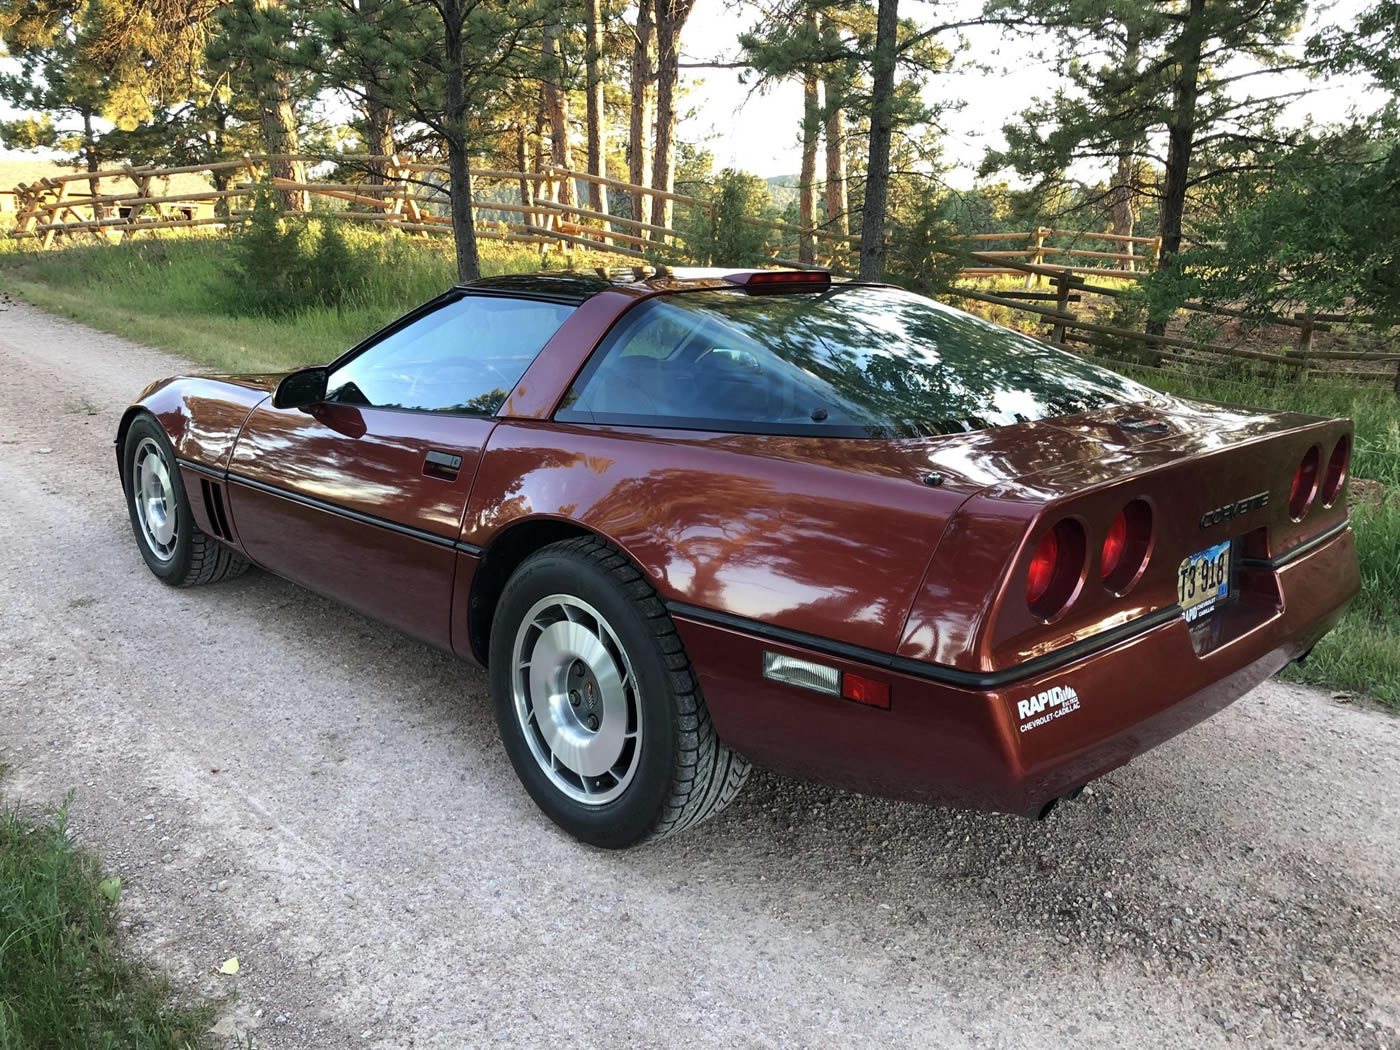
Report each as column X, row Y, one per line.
column 783, row 190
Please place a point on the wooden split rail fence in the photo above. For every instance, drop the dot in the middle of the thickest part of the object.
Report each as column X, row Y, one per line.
column 408, row 195
column 525, row 207
column 1072, row 284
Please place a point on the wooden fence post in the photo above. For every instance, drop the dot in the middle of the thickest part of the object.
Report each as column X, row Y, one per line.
column 1305, row 340
column 1062, row 290
column 51, row 233
column 1037, row 253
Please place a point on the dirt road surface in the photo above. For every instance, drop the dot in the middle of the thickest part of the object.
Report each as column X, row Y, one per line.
column 277, row 778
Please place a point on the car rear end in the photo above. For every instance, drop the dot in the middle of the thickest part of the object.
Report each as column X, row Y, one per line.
column 1138, row 589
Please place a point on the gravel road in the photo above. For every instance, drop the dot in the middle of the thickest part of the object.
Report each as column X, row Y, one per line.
column 278, row 778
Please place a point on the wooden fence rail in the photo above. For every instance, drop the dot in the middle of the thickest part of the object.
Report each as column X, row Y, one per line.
column 411, row 195
column 1067, row 327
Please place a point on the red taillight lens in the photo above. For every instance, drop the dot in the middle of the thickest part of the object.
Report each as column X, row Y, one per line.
column 1113, row 545
column 1126, row 547
column 1337, row 466
column 1055, row 569
column 1300, row 496
column 1042, row 570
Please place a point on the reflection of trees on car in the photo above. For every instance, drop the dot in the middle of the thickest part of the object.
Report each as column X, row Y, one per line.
column 849, row 362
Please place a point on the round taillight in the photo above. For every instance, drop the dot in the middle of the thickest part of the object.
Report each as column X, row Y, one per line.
column 1113, row 545
column 1300, row 496
column 1053, row 575
column 1042, row 571
column 1126, row 547
column 1337, row 466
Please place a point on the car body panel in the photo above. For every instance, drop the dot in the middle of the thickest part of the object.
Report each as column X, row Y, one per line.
column 340, row 498
column 203, row 414
column 946, row 744
column 902, row 559
column 799, row 532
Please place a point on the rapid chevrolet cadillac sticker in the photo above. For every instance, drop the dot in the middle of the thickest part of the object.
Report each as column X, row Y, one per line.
column 1053, row 702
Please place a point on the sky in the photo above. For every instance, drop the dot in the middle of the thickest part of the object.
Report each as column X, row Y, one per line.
column 758, row 132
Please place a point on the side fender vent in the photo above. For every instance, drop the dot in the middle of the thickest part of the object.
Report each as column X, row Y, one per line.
column 214, row 507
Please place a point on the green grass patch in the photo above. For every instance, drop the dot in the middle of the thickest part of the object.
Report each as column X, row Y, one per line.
column 174, row 292
column 63, row 984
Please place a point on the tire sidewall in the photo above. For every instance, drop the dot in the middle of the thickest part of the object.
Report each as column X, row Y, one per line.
column 174, row 569
column 629, row 818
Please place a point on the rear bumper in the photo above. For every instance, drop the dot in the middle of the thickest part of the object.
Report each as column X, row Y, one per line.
column 1016, row 746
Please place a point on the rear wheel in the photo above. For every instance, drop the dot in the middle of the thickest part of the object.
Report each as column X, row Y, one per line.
column 175, row 549
column 598, row 707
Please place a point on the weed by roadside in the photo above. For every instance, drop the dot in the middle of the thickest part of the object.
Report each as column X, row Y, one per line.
column 63, row 983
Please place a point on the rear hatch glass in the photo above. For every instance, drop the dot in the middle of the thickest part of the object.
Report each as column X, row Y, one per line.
column 850, row 361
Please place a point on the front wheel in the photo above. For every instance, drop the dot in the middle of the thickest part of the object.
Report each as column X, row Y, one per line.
column 598, row 707
column 174, row 547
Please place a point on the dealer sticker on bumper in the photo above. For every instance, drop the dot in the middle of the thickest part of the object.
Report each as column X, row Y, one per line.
column 1046, row 706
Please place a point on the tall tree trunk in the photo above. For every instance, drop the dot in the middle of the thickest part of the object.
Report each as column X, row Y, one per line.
column 90, row 158
column 221, row 177
column 670, row 20
column 877, row 168
column 558, row 107
column 1122, row 198
column 641, row 106
column 1123, row 202
column 522, row 158
column 455, row 126
column 806, row 185
column 597, row 118
column 836, row 220
column 1181, row 135
column 379, row 135
column 279, row 122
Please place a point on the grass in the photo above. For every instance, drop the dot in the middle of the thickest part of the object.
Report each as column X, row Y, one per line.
column 63, row 984
column 171, row 292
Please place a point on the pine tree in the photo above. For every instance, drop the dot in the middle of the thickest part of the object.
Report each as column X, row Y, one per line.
column 1164, row 79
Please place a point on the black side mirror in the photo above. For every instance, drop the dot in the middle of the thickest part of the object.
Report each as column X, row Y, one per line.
column 305, row 386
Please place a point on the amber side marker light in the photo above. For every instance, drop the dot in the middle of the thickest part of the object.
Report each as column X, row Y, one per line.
column 1337, row 466
column 822, row 678
column 1304, row 488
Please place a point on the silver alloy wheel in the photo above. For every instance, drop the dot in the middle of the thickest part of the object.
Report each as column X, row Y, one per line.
column 576, row 699
column 155, row 499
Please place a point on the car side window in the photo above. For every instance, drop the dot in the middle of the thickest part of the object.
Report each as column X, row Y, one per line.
column 462, row 358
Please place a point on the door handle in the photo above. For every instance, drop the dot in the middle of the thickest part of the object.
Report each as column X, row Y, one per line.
column 444, row 465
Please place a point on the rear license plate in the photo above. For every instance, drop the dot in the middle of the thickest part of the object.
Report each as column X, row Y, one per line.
column 1203, row 581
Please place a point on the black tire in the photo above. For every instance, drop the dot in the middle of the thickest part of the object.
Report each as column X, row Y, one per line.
column 193, row 557
column 683, row 772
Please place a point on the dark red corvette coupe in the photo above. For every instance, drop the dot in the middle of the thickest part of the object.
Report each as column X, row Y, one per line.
column 695, row 520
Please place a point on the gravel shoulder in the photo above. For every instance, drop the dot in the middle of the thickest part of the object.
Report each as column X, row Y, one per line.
column 276, row 777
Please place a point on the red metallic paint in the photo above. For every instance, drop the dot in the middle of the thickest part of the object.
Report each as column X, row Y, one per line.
column 838, row 539
column 369, row 461
column 954, row 746
column 828, row 537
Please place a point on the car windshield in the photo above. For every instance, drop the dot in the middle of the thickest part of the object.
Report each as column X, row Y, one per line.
column 852, row 361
